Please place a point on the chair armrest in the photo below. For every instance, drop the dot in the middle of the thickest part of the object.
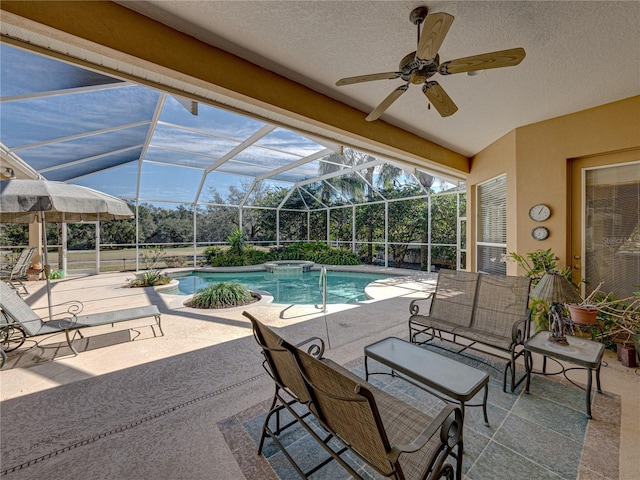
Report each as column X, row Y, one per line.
column 62, row 310
column 414, row 308
column 520, row 329
column 450, row 429
column 315, row 349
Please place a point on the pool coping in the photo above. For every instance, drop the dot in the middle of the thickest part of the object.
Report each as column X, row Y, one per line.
column 177, row 301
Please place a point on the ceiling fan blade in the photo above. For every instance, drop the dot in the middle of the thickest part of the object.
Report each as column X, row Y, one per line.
column 439, row 99
column 434, row 30
column 368, row 78
column 503, row 58
column 386, row 103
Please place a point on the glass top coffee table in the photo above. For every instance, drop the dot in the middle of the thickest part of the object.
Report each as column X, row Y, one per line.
column 429, row 371
column 587, row 355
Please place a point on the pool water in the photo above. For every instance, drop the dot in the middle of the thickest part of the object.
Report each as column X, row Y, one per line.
column 293, row 287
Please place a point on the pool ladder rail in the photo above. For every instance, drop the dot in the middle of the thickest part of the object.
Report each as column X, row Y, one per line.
column 322, row 284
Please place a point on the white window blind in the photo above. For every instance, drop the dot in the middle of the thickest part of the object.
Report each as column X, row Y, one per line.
column 492, row 225
column 612, row 229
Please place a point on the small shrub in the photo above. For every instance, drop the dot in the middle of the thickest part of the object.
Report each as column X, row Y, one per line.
column 150, row 278
column 211, row 253
column 249, row 256
column 236, row 242
column 318, row 252
column 152, row 255
column 175, row 261
column 222, row 295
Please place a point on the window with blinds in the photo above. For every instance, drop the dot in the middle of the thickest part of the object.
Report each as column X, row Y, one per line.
column 492, row 226
column 612, row 229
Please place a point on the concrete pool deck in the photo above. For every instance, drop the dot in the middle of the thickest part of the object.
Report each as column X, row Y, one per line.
column 132, row 405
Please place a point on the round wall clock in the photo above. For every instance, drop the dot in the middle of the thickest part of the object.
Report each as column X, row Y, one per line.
column 539, row 212
column 540, row 233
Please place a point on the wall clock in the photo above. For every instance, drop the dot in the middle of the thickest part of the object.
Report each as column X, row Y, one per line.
column 539, row 212
column 540, row 233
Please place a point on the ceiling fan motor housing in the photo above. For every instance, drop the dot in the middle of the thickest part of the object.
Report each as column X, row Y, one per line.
column 417, row 70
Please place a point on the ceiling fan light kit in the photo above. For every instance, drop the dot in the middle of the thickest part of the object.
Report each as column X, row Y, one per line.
column 418, row 67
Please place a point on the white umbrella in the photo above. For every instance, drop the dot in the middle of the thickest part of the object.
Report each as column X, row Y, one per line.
column 27, row 201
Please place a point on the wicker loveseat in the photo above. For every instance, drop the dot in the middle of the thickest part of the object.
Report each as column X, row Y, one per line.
column 490, row 310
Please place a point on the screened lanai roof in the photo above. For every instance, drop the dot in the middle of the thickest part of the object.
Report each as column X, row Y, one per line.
column 74, row 125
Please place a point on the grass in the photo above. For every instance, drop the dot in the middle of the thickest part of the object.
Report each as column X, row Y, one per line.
column 122, row 259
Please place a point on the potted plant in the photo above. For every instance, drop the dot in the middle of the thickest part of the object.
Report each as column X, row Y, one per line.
column 585, row 312
column 535, row 264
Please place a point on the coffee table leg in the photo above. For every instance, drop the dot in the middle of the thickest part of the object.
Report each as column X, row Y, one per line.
column 528, row 365
column 589, row 393
column 366, row 368
column 484, row 404
column 598, row 387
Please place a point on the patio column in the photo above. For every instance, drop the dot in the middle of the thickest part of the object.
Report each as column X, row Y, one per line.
column 137, row 232
column 63, row 243
column 35, row 240
column 386, row 234
column 195, row 236
column 278, row 228
column 97, row 245
column 353, row 229
column 429, row 234
column 328, row 227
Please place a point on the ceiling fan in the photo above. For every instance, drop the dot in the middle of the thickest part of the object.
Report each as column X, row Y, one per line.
column 419, row 66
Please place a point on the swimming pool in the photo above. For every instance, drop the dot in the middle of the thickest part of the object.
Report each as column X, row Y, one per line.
column 290, row 287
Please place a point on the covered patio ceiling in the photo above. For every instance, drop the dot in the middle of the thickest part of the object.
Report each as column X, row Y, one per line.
column 76, row 125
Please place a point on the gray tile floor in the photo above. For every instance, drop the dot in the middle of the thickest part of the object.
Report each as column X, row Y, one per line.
column 540, row 435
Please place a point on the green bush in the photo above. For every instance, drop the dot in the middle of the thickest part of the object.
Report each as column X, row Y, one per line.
column 211, row 253
column 318, row 252
column 150, row 278
column 175, row 261
column 249, row 256
column 222, row 295
column 236, row 242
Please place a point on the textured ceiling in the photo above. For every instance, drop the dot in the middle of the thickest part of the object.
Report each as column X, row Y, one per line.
column 579, row 55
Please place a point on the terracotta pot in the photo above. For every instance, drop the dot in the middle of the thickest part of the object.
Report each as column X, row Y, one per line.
column 582, row 314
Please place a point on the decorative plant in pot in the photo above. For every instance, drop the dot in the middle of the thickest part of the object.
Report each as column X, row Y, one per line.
column 619, row 319
column 535, row 265
column 585, row 312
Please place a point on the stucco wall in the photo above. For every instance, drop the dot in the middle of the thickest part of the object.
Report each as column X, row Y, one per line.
column 537, row 158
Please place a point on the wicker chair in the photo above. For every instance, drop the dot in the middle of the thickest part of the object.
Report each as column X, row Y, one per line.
column 393, row 438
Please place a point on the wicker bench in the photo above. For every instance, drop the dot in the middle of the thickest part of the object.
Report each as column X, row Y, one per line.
column 489, row 310
column 390, row 436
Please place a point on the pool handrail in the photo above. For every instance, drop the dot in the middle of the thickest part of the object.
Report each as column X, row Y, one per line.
column 323, row 279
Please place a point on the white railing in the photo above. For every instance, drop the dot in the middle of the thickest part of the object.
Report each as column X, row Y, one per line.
column 322, row 284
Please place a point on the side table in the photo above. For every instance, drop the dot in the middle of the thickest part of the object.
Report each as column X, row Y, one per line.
column 584, row 353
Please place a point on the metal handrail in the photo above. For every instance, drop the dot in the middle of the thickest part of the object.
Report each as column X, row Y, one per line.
column 322, row 282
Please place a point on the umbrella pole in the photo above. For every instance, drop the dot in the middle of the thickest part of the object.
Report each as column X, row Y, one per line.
column 47, row 267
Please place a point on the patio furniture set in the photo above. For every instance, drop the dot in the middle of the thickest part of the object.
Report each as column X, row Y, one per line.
column 476, row 311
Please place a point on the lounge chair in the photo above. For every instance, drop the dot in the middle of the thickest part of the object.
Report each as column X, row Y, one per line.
column 18, row 271
column 387, row 434
column 21, row 321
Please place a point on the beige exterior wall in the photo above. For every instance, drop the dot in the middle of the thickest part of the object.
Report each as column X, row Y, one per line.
column 537, row 160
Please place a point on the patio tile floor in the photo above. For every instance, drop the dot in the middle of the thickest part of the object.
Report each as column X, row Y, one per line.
column 536, row 437
column 185, row 406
